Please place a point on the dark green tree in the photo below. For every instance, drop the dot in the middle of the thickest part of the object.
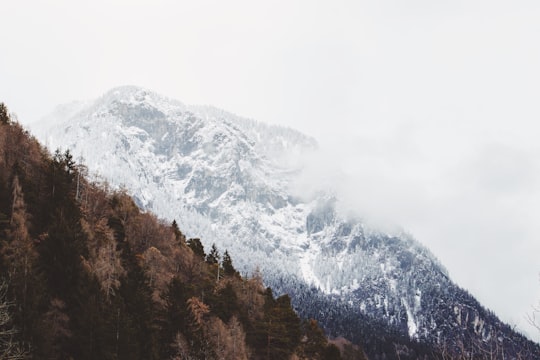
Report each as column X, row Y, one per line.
column 227, row 265
column 278, row 334
column 331, row 352
column 60, row 255
column 213, row 257
column 4, row 115
column 314, row 342
column 178, row 236
column 91, row 337
column 225, row 304
column 197, row 247
column 176, row 314
column 131, row 311
column 139, row 338
column 286, row 327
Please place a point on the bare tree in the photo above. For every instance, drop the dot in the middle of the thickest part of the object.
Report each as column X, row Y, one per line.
column 105, row 259
column 181, row 348
column 19, row 254
column 534, row 316
column 9, row 348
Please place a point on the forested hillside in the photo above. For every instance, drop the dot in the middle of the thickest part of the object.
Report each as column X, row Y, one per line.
column 237, row 183
column 86, row 275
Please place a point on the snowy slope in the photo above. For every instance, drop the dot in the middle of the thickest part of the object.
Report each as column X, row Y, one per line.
column 228, row 180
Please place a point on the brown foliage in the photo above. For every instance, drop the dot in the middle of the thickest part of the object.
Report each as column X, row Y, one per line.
column 95, row 203
column 21, row 151
column 158, row 271
column 250, row 295
column 104, row 258
column 19, row 251
column 181, row 348
column 229, row 340
column 56, row 323
column 112, row 221
column 198, row 309
column 9, row 348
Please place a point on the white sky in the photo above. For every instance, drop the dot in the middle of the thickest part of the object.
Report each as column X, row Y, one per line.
column 431, row 105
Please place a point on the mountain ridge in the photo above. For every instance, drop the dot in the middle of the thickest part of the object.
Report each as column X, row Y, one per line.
column 214, row 170
column 85, row 274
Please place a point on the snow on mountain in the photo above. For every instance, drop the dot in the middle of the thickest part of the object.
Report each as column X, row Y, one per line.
column 228, row 180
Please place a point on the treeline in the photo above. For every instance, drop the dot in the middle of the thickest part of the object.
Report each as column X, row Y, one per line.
column 86, row 275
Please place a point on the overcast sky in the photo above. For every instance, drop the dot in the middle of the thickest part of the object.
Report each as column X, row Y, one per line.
column 432, row 106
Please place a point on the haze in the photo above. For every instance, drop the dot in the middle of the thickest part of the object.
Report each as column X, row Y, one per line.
column 427, row 111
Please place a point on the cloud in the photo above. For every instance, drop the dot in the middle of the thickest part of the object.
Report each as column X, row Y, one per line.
column 472, row 200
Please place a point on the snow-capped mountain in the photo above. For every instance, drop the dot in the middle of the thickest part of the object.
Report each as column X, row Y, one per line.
column 229, row 180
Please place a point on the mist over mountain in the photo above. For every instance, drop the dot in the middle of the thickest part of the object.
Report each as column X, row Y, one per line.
column 244, row 186
column 86, row 274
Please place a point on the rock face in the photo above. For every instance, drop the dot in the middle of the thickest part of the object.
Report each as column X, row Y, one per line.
column 228, row 180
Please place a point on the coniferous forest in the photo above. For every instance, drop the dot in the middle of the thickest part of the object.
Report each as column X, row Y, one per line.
column 84, row 274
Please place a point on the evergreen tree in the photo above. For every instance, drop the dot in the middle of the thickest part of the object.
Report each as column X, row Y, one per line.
column 197, row 247
column 225, row 304
column 90, row 336
column 278, row 335
column 60, row 255
column 178, row 236
column 331, row 352
column 228, row 267
column 314, row 341
column 139, row 340
column 284, row 328
column 175, row 313
column 213, row 257
column 213, row 260
column 4, row 115
column 132, row 309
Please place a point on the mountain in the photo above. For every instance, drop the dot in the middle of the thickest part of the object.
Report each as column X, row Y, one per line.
column 85, row 274
column 231, row 181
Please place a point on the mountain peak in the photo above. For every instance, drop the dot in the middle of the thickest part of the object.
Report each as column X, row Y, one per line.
column 226, row 179
column 137, row 97
column 130, row 93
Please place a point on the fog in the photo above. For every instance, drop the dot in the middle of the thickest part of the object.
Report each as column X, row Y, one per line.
column 426, row 111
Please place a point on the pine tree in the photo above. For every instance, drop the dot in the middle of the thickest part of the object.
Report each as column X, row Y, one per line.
column 314, row 341
column 138, row 340
column 178, row 236
column 88, row 321
column 331, row 352
column 4, row 115
column 133, row 334
column 60, row 255
column 175, row 313
column 225, row 304
column 213, row 257
column 228, row 267
column 278, row 335
column 197, row 247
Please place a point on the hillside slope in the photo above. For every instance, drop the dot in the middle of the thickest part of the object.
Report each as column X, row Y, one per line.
column 84, row 274
column 231, row 179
